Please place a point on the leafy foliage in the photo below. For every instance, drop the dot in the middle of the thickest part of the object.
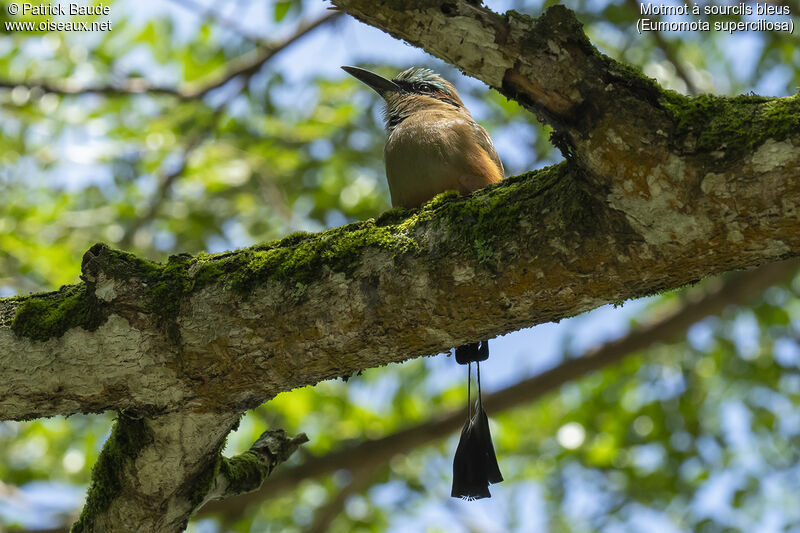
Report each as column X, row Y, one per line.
column 700, row 434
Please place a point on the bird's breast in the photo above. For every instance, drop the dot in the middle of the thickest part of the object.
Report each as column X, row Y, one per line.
column 435, row 151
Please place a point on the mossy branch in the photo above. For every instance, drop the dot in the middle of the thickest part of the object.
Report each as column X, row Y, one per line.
column 659, row 189
column 150, row 471
column 229, row 331
column 128, row 438
column 247, row 471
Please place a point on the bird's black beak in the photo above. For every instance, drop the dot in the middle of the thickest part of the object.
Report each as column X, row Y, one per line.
column 377, row 83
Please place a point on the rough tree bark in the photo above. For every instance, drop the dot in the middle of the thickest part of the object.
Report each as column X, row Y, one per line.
column 658, row 190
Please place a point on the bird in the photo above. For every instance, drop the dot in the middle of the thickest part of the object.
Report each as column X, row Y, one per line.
column 434, row 145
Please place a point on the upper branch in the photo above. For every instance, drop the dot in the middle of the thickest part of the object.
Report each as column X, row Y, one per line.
column 229, row 331
column 550, row 66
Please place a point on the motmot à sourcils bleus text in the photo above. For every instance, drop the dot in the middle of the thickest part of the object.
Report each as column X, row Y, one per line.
column 434, row 145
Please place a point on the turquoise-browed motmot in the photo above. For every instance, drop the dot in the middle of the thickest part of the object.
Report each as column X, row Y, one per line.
column 434, row 145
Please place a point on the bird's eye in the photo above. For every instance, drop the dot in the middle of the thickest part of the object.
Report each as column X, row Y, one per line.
column 425, row 87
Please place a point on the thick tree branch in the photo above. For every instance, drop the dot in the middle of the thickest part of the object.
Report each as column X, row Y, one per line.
column 664, row 326
column 154, row 472
column 230, row 331
column 547, row 64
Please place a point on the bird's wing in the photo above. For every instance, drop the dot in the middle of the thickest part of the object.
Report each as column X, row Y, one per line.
column 483, row 166
column 485, row 142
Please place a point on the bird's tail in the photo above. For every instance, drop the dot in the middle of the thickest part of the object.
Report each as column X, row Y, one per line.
column 475, row 463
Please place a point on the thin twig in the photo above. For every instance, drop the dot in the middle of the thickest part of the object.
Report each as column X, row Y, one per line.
column 244, row 66
column 219, row 18
column 66, row 88
column 165, row 184
column 669, row 53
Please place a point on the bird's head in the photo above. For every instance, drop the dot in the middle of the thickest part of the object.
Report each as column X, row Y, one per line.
column 413, row 90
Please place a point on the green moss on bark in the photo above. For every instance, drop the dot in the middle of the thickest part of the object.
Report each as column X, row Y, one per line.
column 164, row 284
column 480, row 226
column 732, row 126
column 41, row 317
column 128, row 437
column 245, row 472
column 301, row 259
column 477, row 225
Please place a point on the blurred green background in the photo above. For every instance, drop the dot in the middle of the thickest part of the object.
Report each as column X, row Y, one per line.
column 200, row 126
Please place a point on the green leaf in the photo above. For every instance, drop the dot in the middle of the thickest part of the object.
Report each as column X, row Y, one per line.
column 281, row 9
